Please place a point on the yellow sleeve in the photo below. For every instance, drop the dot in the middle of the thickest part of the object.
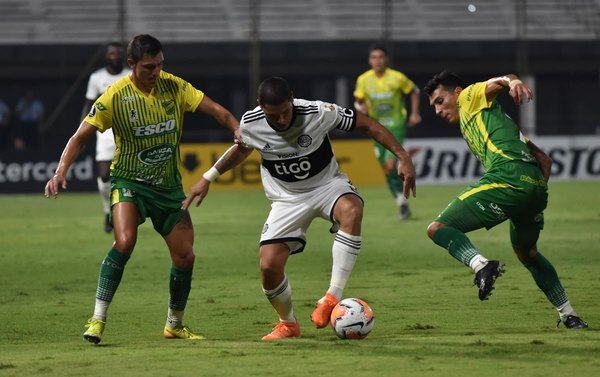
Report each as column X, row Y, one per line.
column 359, row 91
column 100, row 115
column 406, row 84
column 191, row 96
column 472, row 99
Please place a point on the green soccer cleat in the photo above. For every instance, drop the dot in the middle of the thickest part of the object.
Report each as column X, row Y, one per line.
column 180, row 332
column 95, row 328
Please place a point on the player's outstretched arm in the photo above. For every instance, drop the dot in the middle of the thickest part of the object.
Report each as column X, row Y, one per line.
column 230, row 159
column 406, row 169
column 517, row 89
column 74, row 146
column 221, row 115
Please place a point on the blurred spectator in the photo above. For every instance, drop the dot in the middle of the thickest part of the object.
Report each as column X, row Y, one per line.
column 30, row 115
column 4, row 124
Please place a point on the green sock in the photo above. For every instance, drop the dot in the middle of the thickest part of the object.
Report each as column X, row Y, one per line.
column 111, row 272
column 180, row 285
column 394, row 183
column 457, row 243
column 547, row 280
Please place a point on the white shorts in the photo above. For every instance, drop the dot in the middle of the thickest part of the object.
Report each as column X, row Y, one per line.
column 105, row 145
column 288, row 221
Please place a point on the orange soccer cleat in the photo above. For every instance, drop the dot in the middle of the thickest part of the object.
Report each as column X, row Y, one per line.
column 283, row 330
column 322, row 313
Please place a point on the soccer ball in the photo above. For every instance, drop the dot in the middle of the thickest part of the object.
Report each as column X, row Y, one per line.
column 352, row 318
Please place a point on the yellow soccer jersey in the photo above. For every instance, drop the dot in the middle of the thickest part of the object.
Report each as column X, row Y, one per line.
column 385, row 95
column 491, row 135
column 147, row 129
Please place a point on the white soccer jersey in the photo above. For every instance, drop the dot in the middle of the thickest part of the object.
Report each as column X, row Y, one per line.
column 100, row 80
column 97, row 84
column 300, row 158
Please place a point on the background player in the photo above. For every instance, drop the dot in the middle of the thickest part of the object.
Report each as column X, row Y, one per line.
column 145, row 110
column 300, row 177
column 514, row 185
column 105, row 141
column 380, row 93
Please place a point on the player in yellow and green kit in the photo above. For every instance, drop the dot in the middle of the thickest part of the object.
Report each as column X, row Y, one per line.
column 514, row 186
column 380, row 93
column 145, row 111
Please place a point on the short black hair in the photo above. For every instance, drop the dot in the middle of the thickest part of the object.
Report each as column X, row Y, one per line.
column 274, row 91
column 118, row 45
column 141, row 45
column 378, row 46
column 448, row 80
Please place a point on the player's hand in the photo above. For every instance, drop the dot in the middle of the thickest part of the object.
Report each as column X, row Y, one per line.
column 406, row 171
column 520, row 92
column 200, row 190
column 54, row 184
column 414, row 119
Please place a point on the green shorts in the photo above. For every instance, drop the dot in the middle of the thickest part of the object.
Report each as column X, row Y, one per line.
column 399, row 133
column 162, row 206
column 515, row 191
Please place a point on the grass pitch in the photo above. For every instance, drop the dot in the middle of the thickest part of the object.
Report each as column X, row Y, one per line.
column 429, row 321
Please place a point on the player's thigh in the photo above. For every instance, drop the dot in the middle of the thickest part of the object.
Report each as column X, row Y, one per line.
column 287, row 223
column 125, row 220
column 335, row 198
column 180, row 241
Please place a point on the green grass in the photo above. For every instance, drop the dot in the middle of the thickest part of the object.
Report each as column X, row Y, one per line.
column 429, row 320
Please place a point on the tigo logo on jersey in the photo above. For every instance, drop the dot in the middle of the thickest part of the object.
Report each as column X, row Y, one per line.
column 155, row 129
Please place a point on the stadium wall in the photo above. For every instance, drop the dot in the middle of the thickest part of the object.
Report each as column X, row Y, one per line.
column 437, row 161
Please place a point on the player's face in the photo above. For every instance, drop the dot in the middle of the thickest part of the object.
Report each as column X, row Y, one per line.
column 445, row 103
column 378, row 60
column 114, row 58
column 147, row 70
column 279, row 116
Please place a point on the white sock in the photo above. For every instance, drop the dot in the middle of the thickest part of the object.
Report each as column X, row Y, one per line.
column 345, row 250
column 478, row 262
column 565, row 310
column 281, row 299
column 100, row 309
column 400, row 199
column 174, row 318
column 104, row 190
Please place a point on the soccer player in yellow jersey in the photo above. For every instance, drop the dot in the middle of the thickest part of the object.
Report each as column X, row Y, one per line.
column 145, row 111
column 514, row 186
column 380, row 93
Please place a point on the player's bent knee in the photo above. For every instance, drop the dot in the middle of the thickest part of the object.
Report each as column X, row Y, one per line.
column 433, row 228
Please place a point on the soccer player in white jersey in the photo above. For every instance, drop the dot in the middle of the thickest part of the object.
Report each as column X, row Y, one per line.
column 105, row 142
column 301, row 178
column 146, row 111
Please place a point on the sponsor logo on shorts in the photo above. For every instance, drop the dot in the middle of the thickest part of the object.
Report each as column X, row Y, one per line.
column 498, row 211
